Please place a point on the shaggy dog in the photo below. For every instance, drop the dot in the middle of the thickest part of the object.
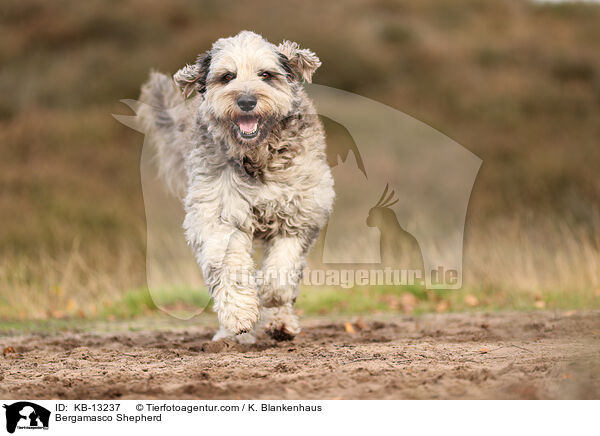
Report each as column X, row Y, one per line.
column 246, row 154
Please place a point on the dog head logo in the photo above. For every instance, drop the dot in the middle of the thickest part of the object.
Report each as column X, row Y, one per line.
column 26, row 415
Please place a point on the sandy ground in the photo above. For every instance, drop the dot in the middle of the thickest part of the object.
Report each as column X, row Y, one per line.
column 508, row 355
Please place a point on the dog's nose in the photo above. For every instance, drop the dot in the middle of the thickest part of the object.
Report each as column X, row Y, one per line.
column 246, row 102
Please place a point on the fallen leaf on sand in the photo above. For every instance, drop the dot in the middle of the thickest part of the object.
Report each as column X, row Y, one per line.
column 442, row 306
column 408, row 302
column 360, row 324
column 484, row 350
column 8, row 350
column 349, row 328
column 471, row 300
column 392, row 301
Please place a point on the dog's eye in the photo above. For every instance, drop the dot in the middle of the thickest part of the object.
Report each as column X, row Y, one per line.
column 227, row 77
column 265, row 75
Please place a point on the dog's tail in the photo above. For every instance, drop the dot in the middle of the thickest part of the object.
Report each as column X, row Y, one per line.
column 162, row 114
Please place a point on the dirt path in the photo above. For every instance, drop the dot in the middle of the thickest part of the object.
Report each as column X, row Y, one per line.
column 515, row 355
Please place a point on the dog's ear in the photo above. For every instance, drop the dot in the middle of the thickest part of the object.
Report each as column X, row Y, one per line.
column 303, row 62
column 193, row 77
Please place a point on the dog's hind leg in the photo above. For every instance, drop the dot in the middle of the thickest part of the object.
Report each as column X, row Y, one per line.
column 284, row 259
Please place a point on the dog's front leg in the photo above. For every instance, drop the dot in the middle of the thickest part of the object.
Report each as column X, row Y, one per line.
column 224, row 253
column 285, row 257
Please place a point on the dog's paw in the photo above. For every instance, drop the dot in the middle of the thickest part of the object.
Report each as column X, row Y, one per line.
column 244, row 338
column 238, row 319
column 280, row 323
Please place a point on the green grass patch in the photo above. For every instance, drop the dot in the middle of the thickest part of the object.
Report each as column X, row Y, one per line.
column 179, row 301
column 418, row 300
column 177, row 304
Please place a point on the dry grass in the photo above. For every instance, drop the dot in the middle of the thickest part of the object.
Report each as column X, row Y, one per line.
column 516, row 83
column 527, row 255
column 76, row 285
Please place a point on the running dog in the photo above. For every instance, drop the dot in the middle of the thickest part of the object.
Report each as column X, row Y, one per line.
column 239, row 141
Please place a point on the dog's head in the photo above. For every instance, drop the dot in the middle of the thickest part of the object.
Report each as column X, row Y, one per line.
column 248, row 84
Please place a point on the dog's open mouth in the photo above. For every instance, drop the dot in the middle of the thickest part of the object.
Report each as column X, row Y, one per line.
column 248, row 126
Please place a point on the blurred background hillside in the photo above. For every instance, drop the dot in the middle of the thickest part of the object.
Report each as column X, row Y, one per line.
column 517, row 83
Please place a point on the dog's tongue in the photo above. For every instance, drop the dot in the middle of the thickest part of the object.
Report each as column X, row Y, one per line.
column 248, row 124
